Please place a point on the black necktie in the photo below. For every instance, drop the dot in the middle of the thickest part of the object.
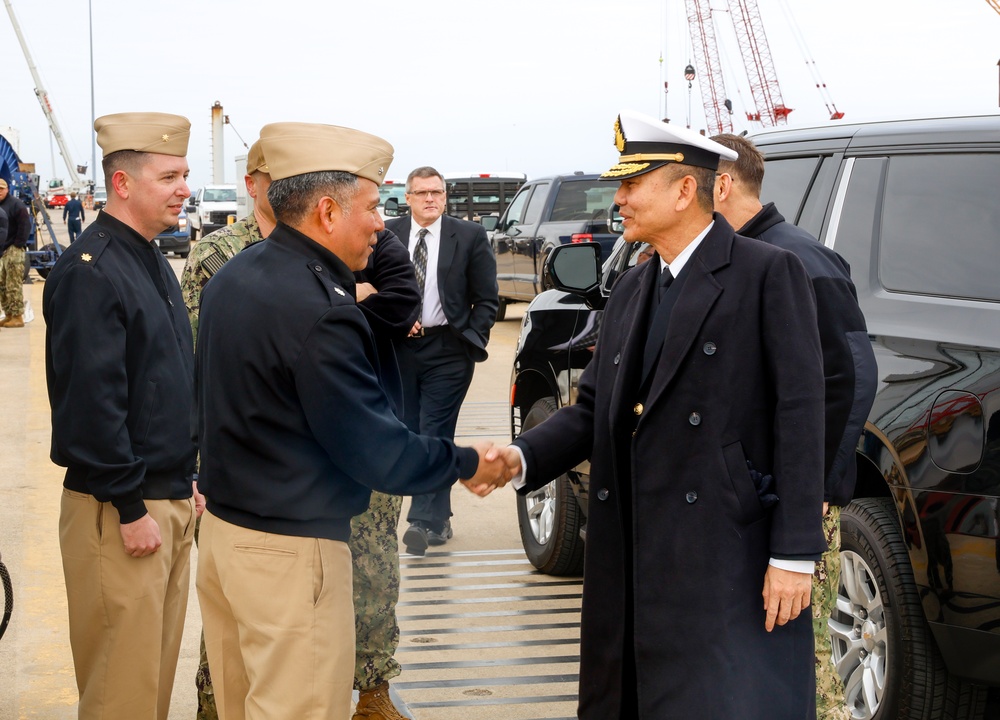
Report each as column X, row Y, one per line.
column 666, row 277
column 420, row 263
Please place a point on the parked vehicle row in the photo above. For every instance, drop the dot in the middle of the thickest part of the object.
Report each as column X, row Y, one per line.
column 911, row 206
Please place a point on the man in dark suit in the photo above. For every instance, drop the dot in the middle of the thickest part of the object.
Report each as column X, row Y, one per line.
column 702, row 414
column 849, row 367
column 457, row 273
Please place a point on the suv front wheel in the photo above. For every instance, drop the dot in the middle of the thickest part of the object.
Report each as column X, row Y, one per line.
column 550, row 518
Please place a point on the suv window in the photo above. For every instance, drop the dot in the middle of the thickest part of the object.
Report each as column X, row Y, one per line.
column 580, row 200
column 786, row 182
column 920, row 250
column 535, row 205
column 516, row 210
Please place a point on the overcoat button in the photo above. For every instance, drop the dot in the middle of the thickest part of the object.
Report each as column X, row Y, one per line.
column 637, row 409
column 709, row 348
column 694, row 418
column 618, row 357
column 602, row 494
column 691, row 497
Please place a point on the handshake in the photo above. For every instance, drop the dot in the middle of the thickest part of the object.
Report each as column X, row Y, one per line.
column 497, row 467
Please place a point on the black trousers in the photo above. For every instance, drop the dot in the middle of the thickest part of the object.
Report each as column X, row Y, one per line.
column 436, row 371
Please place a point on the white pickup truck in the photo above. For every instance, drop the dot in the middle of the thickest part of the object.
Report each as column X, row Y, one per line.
column 212, row 207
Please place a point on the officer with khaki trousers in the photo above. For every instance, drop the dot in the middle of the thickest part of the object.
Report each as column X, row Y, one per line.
column 120, row 367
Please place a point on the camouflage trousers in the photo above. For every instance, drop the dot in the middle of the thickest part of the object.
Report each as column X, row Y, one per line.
column 11, row 280
column 375, row 550
column 826, row 581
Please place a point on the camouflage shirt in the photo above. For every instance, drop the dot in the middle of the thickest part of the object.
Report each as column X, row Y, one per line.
column 209, row 255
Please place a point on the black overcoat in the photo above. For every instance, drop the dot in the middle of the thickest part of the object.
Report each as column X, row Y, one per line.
column 739, row 380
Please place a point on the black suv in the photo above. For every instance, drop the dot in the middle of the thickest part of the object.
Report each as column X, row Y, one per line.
column 912, row 206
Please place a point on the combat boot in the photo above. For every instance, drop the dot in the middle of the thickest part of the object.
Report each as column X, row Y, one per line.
column 376, row 705
column 13, row 321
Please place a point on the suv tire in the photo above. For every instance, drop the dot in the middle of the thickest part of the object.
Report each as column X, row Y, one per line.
column 550, row 518
column 882, row 645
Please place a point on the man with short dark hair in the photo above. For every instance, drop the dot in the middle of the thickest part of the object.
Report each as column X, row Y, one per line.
column 12, row 254
column 120, row 366
column 850, row 371
column 296, row 429
column 457, row 274
column 73, row 216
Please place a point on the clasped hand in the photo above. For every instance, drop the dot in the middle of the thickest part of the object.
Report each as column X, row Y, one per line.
column 495, row 468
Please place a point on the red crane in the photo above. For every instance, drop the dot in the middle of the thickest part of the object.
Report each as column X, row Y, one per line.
column 769, row 107
column 706, row 58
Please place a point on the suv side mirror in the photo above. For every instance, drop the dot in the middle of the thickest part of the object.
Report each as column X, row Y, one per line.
column 576, row 269
column 490, row 222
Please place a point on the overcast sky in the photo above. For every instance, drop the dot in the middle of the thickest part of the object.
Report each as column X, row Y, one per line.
column 524, row 85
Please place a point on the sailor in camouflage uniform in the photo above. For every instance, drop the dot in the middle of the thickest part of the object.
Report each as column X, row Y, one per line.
column 388, row 295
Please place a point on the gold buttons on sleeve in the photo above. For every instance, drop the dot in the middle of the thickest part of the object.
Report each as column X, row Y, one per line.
column 637, row 409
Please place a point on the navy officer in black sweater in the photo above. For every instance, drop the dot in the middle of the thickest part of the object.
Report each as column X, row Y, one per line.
column 296, row 430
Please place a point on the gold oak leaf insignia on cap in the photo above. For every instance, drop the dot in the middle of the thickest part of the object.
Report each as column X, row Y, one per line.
column 381, row 170
column 164, row 138
column 619, row 135
column 86, row 257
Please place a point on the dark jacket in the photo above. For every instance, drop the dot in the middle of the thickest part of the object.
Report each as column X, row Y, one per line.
column 848, row 359
column 119, row 365
column 74, row 210
column 18, row 223
column 295, row 428
column 3, row 229
column 467, row 279
column 678, row 539
column 392, row 310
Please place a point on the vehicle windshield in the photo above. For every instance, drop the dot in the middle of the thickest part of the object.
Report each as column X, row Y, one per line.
column 220, row 195
column 583, row 200
column 391, row 190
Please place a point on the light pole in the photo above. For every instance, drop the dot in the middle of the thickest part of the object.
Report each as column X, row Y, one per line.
column 93, row 115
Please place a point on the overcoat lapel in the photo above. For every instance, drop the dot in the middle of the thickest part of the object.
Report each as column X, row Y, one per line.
column 627, row 377
column 699, row 294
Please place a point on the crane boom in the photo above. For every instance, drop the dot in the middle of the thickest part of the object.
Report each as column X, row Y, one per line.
column 706, row 56
column 750, row 36
column 43, row 100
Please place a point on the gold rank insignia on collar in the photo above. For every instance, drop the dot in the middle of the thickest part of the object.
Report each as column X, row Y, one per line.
column 86, row 257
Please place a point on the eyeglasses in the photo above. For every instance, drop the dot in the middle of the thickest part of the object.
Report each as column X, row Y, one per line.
column 426, row 193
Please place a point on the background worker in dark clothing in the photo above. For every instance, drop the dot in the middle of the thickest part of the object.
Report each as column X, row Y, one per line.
column 12, row 251
column 73, row 216
column 849, row 370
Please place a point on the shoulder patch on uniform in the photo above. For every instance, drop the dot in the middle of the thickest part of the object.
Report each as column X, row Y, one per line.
column 212, row 263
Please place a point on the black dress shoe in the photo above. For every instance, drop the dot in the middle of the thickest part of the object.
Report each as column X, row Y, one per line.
column 415, row 539
column 440, row 538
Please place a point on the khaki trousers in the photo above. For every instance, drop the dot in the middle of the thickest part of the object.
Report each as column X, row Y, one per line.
column 279, row 623
column 126, row 615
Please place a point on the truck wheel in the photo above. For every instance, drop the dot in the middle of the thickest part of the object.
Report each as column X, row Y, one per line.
column 44, row 271
column 882, row 646
column 501, row 310
column 550, row 518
